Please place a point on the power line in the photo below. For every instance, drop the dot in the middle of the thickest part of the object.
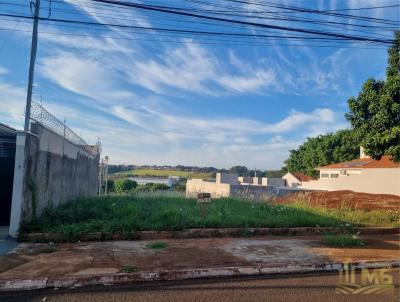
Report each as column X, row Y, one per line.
column 171, row 29
column 198, row 40
column 277, row 27
column 313, row 11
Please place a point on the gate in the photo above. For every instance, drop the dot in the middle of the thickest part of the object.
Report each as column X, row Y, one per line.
column 7, row 160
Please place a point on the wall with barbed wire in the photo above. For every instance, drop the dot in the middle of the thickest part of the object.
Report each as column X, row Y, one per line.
column 58, row 165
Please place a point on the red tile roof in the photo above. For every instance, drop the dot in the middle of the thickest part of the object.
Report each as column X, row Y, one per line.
column 302, row 177
column 364, row 163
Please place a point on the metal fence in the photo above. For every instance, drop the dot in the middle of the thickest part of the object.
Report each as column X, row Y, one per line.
column 46, row 119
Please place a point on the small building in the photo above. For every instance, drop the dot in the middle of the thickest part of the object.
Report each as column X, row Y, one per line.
column 365, row 175
column 273, row 181
column 296, row 179
column 230, row 185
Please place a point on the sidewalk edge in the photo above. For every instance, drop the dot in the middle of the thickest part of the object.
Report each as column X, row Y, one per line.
column 146, row 276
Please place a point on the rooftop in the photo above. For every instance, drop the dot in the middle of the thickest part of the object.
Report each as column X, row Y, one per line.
column 6, row 130
column 302, row 177
column 364, row 163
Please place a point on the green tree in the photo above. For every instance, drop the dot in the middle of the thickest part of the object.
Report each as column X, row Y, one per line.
column 110, row 186
column 322, row 150
column 239, row 170
column 124, row 185
column 375, row 113
column 160, row 187
column 275, row 173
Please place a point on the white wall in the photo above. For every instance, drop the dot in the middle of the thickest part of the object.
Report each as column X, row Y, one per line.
column 291, row 181
column 374, row 181
column 195, row 186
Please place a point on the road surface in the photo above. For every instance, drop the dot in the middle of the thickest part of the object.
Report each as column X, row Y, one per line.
column 301, row 288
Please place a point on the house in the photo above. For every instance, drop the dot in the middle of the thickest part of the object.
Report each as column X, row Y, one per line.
column 364, row 175
column 296, row 179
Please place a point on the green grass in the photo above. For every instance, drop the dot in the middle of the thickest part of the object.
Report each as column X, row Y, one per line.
column 343, row 240
column 128, row 269
column 166, row 173
column 157, row 245
column 127, row 213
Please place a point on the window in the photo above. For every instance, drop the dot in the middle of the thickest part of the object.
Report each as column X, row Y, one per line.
column 324, row 175
column 334, row 175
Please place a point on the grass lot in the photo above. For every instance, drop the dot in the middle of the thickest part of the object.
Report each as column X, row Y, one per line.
column 166, row 173
column 125, row 213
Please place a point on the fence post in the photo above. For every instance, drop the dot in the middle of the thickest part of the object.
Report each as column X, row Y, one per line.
column 64, row 137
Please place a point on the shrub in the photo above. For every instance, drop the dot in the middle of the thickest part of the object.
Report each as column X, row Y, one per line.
column 180, row 187
column 110, row 186
column 156, row 187
column 124, row 185
column 344, row 240
column 160, row 187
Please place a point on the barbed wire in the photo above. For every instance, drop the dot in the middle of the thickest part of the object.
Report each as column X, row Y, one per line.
column 40, row 115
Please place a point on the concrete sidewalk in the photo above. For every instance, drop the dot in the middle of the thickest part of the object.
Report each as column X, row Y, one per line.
column 91, row 263
column 6, row 242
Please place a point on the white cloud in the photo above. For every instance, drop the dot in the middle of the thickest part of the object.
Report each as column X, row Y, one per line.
column 259, row 79
column 3, row 70
column 12, row 104
column 193, row 68
column 84, row 76
column 220, row 130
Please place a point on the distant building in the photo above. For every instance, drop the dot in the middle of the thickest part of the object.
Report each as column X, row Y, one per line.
column 296, row 179
column 230, row 185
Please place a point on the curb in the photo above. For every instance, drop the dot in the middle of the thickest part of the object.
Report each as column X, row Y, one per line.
column 205, row 233
column 131, row 278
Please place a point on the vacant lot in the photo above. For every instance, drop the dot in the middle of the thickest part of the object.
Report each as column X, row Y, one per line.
column 345, row 199
column 125, row 213
column 166, row 173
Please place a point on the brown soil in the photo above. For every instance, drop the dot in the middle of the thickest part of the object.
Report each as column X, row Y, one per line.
column 345, row 199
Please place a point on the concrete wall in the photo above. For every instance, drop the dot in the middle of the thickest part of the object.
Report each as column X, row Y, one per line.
column 252, row 192
column 245, row 180
column 227, row 178
column 273, row 181
column 217, row 190
column 374, row 181
column 59, row 170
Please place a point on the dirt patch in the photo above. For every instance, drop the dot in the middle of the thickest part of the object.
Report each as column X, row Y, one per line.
column 181, row 254
column 345, row 199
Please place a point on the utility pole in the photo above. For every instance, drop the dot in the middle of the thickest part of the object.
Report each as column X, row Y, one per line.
column 106, row 176
column 32, row 63
column 100, row 176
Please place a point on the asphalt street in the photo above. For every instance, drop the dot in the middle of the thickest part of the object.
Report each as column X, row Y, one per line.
column 311, row 287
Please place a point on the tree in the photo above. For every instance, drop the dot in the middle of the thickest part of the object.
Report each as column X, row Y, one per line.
column 124, row 185
column 160, row 187
column 239, row 170
column 322, row 150
column 375, row 114
column 275, row 173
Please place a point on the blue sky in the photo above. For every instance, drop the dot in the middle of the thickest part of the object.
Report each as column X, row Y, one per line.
column 190, row 101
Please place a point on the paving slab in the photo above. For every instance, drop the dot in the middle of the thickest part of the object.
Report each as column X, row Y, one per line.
column 6, row 242
column 78, row 264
